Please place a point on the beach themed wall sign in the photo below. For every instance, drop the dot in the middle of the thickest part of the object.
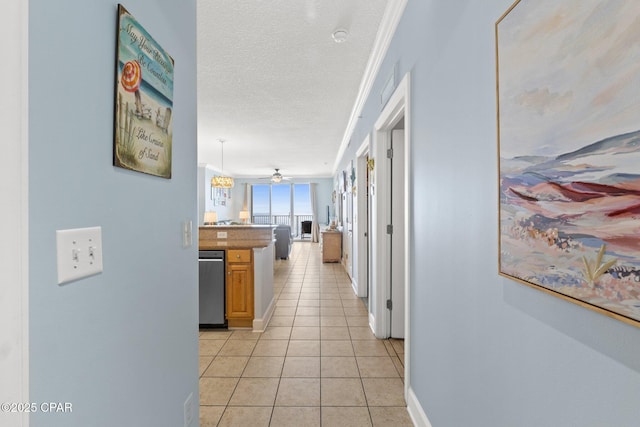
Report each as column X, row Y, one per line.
column 144, row 100
column 569, row 151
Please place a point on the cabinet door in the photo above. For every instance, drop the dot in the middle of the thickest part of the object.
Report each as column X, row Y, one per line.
column 331, row 247
column 239, row 291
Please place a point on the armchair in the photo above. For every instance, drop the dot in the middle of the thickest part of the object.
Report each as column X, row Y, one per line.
column 282, row 234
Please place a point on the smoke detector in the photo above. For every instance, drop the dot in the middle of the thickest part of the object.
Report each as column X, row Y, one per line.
column 340, row 35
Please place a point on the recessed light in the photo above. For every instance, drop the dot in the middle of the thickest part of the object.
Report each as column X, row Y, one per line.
column 340, row 35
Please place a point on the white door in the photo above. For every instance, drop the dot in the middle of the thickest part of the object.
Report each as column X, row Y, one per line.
column 348, row 235
column 361, row 222
column 355, row 248
column 396, row 271
column 370, row 224
column 352, row 251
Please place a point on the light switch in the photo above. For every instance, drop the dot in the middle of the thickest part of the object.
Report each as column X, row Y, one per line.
column 187, row 234
column 79, row 253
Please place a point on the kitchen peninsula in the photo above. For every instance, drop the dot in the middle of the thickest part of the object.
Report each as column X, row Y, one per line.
column 249, row 271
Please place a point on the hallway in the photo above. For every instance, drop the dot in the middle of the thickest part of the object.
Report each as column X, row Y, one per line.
column 316, row 364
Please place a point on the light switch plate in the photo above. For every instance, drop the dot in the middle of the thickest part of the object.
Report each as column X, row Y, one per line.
column 79, row 253
column 187, row 234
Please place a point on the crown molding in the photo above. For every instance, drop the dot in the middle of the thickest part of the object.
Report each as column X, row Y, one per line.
column 387, row 29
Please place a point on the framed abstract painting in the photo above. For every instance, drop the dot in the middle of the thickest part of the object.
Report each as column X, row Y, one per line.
column 568, row 84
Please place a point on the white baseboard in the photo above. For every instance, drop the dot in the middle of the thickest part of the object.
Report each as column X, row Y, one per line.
column 372, row 323
column 354, row 285
column 416, row 412
column 259, row 325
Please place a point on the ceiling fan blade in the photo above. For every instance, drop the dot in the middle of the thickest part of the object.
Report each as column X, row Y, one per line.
column 276, row 177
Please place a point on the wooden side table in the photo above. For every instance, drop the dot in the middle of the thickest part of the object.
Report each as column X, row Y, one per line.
column 331, row 246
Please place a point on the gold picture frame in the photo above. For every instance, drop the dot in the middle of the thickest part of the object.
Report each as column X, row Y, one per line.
column 569, row 152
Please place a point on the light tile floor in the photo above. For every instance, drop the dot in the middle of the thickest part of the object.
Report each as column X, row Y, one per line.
column 316, row 364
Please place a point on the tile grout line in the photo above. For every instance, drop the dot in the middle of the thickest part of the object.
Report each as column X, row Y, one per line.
column 329, row 283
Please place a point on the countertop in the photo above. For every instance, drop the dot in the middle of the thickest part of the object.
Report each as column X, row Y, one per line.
column 232, row 244
column 216, row 237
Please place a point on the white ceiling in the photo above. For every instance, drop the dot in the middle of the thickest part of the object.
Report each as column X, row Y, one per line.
column 274, row 84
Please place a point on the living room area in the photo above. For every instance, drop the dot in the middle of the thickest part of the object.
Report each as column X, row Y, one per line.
column 294, row 203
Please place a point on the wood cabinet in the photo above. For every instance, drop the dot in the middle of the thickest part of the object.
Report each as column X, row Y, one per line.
column 331, row 246
column 240, row 299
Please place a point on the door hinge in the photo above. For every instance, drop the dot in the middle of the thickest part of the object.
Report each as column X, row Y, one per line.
column 390, row 229
column 390, row 153
column 389, row 305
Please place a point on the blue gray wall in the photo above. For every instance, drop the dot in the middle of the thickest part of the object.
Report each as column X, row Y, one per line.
column 485, row 351
column 120, row 346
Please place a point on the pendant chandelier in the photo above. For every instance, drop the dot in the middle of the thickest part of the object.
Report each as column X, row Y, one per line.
column 222, row 181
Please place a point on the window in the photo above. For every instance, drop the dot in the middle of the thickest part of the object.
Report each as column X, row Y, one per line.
column 288, row 204
column 281, row 203
column 301, row 206
column 261, row 204
column 301, row 199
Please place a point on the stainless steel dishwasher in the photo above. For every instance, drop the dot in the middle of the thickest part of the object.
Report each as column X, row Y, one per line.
column 212, row 289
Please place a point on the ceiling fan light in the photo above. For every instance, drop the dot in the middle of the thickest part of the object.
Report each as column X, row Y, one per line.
column 276, row 177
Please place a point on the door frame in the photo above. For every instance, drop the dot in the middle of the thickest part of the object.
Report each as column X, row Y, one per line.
column 14, row 218
column 397, row 107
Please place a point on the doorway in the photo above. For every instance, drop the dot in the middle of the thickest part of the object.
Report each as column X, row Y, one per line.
column 391, row 221
column 361, row 229
column 396, row 231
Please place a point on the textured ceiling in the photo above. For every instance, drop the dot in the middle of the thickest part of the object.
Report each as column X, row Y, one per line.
column 275, row 86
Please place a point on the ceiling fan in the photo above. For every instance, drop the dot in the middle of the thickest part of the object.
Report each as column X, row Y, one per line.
column 277, row 177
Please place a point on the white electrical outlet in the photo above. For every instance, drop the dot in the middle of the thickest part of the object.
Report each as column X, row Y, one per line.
column 79, row 253
column 188, row 411
column 222, row 234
